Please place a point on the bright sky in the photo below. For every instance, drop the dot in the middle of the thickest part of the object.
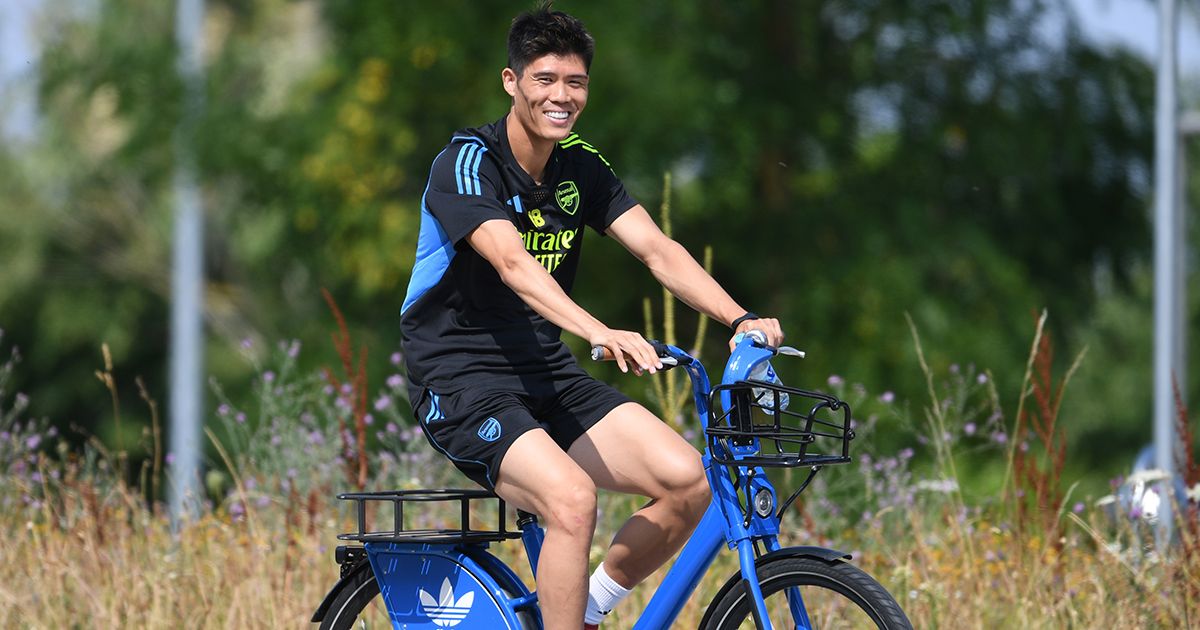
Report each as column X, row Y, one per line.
column 17, row 60
column 1133, row 23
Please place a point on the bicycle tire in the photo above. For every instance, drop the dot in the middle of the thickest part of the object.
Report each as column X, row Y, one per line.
column 821, row 583
column 351, row 601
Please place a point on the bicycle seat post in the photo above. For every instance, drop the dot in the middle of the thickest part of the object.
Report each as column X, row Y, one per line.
column 531, row 535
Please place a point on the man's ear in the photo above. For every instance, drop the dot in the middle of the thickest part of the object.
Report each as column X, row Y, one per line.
column 509, row 78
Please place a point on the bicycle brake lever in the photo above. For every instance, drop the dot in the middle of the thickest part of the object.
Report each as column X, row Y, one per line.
column 791, row 352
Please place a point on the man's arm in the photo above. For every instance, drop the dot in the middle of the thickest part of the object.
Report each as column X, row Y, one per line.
column 679, row 272
column 500, row 244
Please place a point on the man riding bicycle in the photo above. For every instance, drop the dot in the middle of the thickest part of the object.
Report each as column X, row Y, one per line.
column 492, row 385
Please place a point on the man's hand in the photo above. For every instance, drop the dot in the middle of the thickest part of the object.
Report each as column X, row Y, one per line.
column 769, row 326
column 629, row 349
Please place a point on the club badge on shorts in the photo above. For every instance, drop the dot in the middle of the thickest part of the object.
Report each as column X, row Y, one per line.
column 490, row 431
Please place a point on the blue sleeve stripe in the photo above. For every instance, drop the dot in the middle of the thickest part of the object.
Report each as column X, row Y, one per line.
column 475, row 170
column 464, row 158
column 466, row 167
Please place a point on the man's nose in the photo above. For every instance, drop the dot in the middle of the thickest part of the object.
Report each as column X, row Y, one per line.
column 559, row 92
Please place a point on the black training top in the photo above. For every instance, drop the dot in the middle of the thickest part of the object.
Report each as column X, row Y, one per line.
column 459, row 318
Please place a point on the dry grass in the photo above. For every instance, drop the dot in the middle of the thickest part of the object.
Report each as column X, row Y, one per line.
column 92, row 559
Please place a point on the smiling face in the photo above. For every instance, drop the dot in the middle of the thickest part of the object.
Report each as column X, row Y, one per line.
column 548, row 97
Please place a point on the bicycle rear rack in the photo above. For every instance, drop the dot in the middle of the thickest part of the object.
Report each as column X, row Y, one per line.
column 742, row 435
column 398, row 533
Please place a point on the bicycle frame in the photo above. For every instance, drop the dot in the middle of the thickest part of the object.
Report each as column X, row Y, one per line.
column 464, row 574
column 723, row 521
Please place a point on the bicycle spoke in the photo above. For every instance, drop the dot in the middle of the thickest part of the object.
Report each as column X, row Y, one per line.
column 826, row 610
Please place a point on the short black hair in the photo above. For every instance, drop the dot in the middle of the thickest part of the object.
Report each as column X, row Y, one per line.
column 543, row 31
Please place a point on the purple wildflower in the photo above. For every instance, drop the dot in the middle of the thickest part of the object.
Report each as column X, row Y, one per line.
column 999, row 437
column 240, row 417
column 32, row 441
column 169, row 459
column 392, row 428
column 969, row 428
column 835, row 380
column 247, row 343
column 294, row 349
column 1078, row 508
column 383, row 402
column 269, row 376
column 887, row 397
column 396, row 358
column 368, row 419
column 395, row 381
column 315, row 437
column 982, row 378
column 223, row 410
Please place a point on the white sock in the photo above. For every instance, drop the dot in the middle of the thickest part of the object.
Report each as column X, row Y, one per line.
column 603, row 595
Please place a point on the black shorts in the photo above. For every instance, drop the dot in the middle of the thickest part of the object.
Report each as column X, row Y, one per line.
column 474, row 425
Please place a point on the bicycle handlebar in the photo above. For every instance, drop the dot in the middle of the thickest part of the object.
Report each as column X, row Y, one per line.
column 601, row 353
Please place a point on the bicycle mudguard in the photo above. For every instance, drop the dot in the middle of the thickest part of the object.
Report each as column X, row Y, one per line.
column 430, row 586
column 347, row 576
column 820, row 553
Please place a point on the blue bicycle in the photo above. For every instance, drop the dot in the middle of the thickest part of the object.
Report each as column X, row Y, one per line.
column 446, row 577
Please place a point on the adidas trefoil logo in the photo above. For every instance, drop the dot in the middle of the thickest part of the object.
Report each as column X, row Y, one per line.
column 444, row 611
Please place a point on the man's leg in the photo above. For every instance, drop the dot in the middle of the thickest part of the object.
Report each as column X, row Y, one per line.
column 537, row 476
column 632, row 451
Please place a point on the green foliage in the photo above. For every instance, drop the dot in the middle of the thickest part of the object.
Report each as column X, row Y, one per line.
column 849, row 162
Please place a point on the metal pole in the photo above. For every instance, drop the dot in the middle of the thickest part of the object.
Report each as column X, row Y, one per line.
column 1168, row 305
column 187, row 275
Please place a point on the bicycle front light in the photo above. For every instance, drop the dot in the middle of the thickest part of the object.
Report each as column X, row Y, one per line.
column 763, row 505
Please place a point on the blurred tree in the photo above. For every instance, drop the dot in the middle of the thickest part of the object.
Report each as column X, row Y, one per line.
column 968, row 161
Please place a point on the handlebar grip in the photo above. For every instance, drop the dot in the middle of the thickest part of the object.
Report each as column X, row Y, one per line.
column 601, row 353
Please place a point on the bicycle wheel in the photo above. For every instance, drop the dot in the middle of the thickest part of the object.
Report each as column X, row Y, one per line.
column 357, row 605
column 834, row 595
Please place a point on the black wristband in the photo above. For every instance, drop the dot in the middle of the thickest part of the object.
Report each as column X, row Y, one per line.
column 738, row 321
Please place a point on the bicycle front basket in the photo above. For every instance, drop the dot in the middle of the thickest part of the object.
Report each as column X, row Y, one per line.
column 813, row 429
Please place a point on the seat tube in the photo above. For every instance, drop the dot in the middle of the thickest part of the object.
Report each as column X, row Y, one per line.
column 532, row 536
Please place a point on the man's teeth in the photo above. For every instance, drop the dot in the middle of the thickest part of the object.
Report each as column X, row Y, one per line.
column 558, row 115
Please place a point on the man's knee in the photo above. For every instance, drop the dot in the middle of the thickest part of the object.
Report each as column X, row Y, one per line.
column 571, row 506
column 685, row 485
